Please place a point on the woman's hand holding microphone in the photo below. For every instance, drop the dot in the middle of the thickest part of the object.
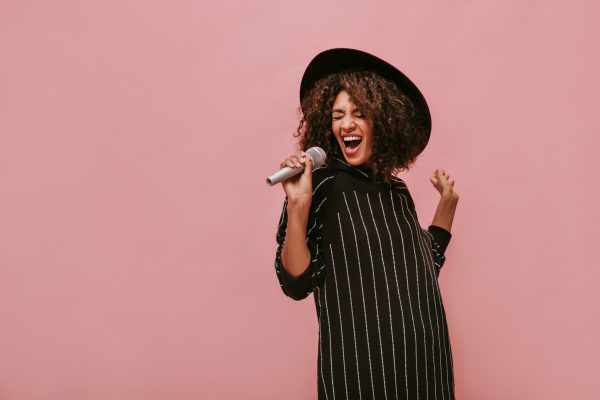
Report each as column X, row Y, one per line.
column 298, row 188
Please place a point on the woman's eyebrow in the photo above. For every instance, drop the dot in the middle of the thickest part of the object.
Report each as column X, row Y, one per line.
column 339, row 110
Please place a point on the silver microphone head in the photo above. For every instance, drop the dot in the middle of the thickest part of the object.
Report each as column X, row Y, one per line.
column 318, row 156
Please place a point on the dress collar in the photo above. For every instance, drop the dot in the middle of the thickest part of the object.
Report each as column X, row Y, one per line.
column 361, row 171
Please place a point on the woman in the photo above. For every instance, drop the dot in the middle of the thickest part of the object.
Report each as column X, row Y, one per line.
column 349, row 233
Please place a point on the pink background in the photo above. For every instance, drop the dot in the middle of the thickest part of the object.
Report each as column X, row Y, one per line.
column 137, row 233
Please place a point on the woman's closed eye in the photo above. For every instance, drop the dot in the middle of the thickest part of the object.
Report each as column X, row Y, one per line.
column 337, row 117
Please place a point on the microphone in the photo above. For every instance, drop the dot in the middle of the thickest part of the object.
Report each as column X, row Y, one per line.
column 318, row 156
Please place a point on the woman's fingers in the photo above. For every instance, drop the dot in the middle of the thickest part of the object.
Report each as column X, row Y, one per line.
column 308, row 165
column 441, row 180
column 443, row 173
column 441, row 177
column 295, row 160
column 288, row 163
column 300, row 158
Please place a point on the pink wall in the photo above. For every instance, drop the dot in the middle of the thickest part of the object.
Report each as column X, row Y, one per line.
column 137, row 260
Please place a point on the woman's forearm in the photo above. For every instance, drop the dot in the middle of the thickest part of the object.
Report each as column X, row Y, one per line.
column 444, row 214
column 295, row 255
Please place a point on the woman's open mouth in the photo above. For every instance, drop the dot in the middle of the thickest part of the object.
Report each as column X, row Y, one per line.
column 351, row 144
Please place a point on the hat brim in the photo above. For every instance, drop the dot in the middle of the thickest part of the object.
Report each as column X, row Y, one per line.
column 339, row 59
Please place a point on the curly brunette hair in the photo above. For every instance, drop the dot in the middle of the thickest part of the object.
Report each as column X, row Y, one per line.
column 399, row 131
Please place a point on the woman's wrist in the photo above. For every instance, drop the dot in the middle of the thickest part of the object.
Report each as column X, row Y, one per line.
column 444, row 214
column 449, row 197
column 298, row 210
column 299, row 204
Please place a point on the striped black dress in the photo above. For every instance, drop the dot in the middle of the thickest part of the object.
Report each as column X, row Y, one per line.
column 373, row 271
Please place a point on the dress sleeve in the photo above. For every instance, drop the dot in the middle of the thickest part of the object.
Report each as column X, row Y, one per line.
column 301, row 286
column 440, row 238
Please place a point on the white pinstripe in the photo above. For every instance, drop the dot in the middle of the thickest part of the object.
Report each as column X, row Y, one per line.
column 430, row 258
column 387, row 287
column 399, row 298
column 320, row 204
column 283, row 214
column 337, row 295
column 315, row 218
column 412, row 316
column 441, row 316
column 446, row 352
column 431, row 268
column 320, row 183
column 435, row 290
column 321, row 343
column 351, row 166
column 351, row 306
column 418, row 290
column 363, row 294
column 329, row 330
column 375, row 290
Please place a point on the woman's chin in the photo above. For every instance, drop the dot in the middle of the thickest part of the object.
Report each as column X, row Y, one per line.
column 356, row 159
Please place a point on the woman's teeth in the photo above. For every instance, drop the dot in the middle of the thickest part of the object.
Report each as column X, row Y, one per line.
column 352, row 141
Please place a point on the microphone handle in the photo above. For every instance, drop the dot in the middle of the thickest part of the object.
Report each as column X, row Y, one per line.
column 316, row 154
column 284, row 174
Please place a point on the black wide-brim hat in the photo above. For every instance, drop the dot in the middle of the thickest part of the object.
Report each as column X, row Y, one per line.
column 339, row 59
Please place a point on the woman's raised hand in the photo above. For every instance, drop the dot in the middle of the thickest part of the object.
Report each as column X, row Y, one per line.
column 442, row 182
column 298, row 188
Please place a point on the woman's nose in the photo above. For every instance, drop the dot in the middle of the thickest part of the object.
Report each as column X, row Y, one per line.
column 348, row 123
